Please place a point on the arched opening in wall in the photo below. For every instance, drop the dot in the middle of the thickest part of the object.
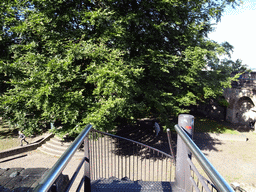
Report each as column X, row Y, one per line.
column 244, row 114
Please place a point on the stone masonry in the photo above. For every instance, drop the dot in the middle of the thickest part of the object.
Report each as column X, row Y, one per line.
column 242, row 99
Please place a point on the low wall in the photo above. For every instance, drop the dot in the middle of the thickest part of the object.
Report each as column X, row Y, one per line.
column 18, row 150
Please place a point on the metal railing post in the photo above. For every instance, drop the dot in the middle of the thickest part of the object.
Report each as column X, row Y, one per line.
column 87, row 180
column 170, row 144
column 218, row 181
column 183, row 174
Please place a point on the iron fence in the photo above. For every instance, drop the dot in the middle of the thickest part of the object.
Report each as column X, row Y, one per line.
column 115, row 156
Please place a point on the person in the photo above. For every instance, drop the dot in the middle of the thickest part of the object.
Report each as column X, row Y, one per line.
column 23, row 138
column 251, row 124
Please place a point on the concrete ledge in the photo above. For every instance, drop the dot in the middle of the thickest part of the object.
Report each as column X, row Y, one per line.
column 18, row 150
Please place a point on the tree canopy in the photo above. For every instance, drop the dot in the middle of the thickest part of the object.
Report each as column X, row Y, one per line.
column 79, row 62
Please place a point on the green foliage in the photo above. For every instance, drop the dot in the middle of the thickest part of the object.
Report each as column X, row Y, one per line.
column 79, row 62
column 223, row 102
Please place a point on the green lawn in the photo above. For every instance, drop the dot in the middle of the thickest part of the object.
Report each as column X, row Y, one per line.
column 8, row 136
column 208, row 125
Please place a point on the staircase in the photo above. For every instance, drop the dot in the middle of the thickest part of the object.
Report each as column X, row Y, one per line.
column 56, row 147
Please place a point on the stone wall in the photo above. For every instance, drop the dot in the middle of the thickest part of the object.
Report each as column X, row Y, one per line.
column 241, row 104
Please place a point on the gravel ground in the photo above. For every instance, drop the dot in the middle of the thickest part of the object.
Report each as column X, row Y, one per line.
column 234, row 159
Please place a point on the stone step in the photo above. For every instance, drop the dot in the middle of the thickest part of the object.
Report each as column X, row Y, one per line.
column 59, row 146
column 55, row 147
column 48, row 151
column 58, row 141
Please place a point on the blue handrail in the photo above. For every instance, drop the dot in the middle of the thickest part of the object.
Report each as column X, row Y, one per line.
column 55, row 171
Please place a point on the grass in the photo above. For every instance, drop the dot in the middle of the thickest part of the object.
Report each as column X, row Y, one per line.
column 9, row 143
column 208, row 125
column 8, row 136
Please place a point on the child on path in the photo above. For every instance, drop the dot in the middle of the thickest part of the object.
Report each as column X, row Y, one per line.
column 23, row 138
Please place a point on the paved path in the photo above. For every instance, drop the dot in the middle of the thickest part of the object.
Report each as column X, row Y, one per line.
column 36, row 159
column 20, row 179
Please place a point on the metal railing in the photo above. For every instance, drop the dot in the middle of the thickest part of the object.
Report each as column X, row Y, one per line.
column 111, row 156
column 49, row 179
column 187, row 172
column 119, row 157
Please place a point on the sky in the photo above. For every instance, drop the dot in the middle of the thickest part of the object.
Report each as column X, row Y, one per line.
column 238, row 27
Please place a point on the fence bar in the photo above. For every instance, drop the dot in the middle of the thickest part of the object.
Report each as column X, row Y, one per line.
column 118, row 157
column 129, row 165
column 194, row 184
column 141, row 163
column 101, row 155
column 123, row 160
column 198, row 175
column 158, row 167
column 97, row 156
column 75, row 175
column 170, row 143
column 80, row 184
column 137, row 162
column 108, row 156
column 87, row 180
column 209, row 183
column 212, row 173
column 55, row 171
column 105, row 155
column 162, row 170
column 94, row 155
column 166, row 161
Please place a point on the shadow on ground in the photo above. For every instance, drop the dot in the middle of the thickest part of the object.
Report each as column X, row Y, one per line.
column 206, row 142
column 143, row 131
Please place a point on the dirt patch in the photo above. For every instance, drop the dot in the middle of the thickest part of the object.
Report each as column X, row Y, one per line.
column 234, row 159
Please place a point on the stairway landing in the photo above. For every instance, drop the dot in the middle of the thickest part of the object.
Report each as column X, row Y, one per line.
column 125, row 185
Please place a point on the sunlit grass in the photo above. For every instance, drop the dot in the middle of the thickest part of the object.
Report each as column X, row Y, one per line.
column 212, row 126
column 8, row 136
column 9, row 143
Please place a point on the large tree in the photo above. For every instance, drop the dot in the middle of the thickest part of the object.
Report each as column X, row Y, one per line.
column 79, row 62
